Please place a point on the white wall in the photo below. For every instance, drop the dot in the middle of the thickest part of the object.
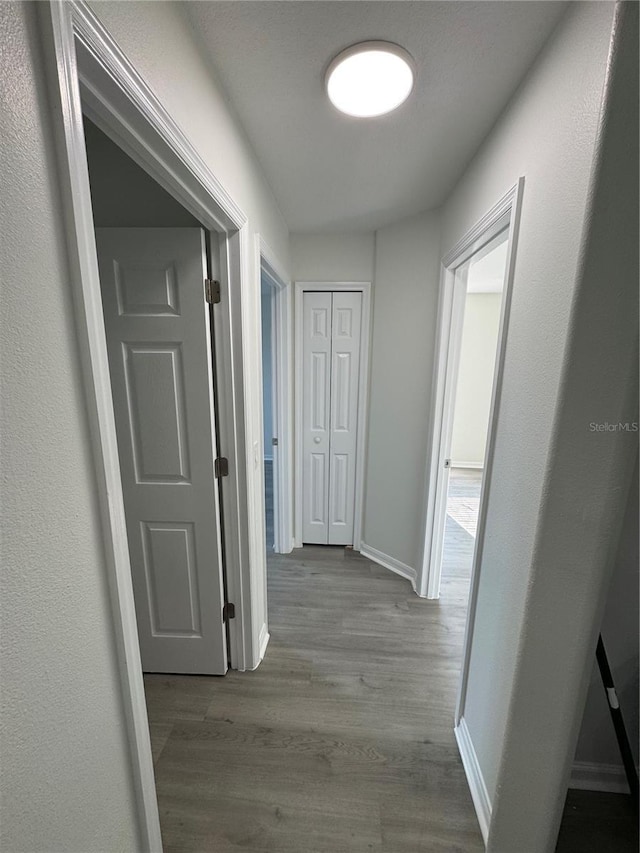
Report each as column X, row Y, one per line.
column 123, row 195
column 332, row 257
column 543, row 570
column 475, row 377
column 66, row 778
column 185, row 82
column 404, row 319
column 597, row 745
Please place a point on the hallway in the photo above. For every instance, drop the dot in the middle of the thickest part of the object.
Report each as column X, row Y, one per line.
column 341, row 741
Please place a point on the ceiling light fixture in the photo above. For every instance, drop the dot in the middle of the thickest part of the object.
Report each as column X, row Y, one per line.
column 370, row 79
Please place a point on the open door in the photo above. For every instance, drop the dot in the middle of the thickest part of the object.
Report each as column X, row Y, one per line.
column 158, row 339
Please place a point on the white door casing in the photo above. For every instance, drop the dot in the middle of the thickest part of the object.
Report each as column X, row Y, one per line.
column 345, row 368
column 331, row 334
column 158, row 338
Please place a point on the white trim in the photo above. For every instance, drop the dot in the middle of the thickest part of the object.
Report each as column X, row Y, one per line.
column 511, row 202
column 80, row 53
column 363, row 287
column 282, row 373
column 475, row 779
column 586, row 776
column 389, row 563
column 265, row 636
column 475, row 466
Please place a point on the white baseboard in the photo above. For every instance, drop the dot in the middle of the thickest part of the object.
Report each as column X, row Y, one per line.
column 389, row 563
column 599, row 777
column 263, row 642
column 478, row 789
column 478, row 465
column 287, row 550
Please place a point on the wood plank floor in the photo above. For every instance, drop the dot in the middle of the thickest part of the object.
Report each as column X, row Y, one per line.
column 341, row 741
column 597, row 822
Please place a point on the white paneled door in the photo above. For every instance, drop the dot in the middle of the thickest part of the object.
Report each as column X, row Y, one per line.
column 331, row 366
column 158, row 339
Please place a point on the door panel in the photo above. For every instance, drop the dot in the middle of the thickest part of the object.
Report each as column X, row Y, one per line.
column 316, row 372
column 158, row 339
column 345, row 372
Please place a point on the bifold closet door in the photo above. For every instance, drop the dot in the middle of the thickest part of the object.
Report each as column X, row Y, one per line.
column 331, row 365
column 345, row 371
column 316, row 395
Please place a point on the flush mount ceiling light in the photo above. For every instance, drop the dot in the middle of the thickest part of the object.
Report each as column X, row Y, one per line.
column 370, row 79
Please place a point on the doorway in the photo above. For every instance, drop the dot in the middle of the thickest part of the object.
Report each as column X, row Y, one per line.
column 482, row 278
column 154, row 262
column 277, row 390
column 270, row 439
column 475, row 297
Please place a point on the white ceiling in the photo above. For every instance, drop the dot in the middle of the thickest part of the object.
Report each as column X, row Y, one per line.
column 330, row 172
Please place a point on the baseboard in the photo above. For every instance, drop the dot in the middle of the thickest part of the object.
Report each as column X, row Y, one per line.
column 263, row 642
column 475, row 780
column 599, row 777
column 287, row 550
column 478, row 465
column 389, row 563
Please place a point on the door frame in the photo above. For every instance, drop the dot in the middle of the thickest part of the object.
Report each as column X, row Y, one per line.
column 282, row 381
column 87, row 72
column 504, row 214
column 363, row 287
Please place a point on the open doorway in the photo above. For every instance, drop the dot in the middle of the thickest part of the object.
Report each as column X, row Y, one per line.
column 155, row 262
column 482, row 278
column 474, row 310
column 277, row 427
column 267, row 295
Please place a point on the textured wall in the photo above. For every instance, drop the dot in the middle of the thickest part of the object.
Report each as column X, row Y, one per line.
column 404, row 320
column 620, row 631
column 332, row 257
column 65, row 780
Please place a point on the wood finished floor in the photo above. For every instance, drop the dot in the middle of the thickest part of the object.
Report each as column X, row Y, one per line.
column 342, row 740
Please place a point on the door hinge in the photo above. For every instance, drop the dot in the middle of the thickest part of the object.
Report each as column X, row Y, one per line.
column 212, row 291
column 228, row 611
column 221, row 467
column 447, row 463
column 274, row 442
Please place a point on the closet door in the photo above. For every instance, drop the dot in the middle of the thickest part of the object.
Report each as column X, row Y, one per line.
column 345, row 372
column 316, row 375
